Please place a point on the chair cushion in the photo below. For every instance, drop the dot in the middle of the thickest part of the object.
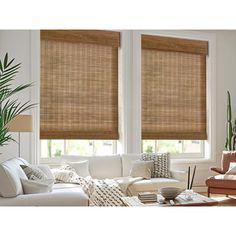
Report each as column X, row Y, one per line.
column 10, row 175
column 222, row 181
column 227, row 157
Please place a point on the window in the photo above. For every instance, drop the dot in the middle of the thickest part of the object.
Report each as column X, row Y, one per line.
column 177, row 148
column 174, row 95
column 55, row 148
column 79, row 84
column 79, row 92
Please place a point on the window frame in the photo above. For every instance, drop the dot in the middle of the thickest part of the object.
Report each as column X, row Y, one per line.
column 129, row 97
column 184, row 155
column 58, row 159
column 208, row 154
column 117, row 147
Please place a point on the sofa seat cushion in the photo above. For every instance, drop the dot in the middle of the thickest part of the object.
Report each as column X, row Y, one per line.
column 64, row 186
column 222, row 181
column 153, row 185
column 72, row 195
column 10, row 175
column 37, row 186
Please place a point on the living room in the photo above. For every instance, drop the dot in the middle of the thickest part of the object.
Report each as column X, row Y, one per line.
column 124, row 58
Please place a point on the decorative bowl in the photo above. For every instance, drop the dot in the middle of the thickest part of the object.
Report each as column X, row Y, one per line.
column 170, row 192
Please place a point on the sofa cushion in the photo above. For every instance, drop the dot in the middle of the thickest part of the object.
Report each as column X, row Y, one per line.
column 80, row 167
column 63, row 175
column 10, row 175
column 33, row 172
column 102, row 167
column 37, row 186
column 46, row 170
column 61, row 195
column 161, row 164
column 153, row 185
column 127, row 160
column 141, row 169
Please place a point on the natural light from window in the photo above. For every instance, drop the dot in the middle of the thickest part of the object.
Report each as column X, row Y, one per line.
column 177, row 148
column 55, row 148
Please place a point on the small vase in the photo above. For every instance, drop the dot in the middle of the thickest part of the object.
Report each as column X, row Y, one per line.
column 189, row 194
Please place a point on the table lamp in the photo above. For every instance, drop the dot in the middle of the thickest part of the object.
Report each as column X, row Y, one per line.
column 21, row 123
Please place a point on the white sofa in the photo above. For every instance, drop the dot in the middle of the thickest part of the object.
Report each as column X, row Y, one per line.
column 11, row 191
column 118, row 166
column 100, row 167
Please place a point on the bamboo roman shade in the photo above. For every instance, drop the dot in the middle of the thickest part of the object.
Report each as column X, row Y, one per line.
column 173, row 88
column 79, row 84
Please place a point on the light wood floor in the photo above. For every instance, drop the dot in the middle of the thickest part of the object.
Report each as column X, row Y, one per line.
column 223, row 200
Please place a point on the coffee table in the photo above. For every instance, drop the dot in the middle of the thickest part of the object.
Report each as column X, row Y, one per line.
column 181, row 200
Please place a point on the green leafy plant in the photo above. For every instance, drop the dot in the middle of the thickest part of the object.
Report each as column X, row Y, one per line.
column 231, row 132
column 58, row 153
column 149, row 149
column 10, row 107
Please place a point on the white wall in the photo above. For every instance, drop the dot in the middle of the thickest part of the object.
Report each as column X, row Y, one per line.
column 225, row 80
column 19, row 45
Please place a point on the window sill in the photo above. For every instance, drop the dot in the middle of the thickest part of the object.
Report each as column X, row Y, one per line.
column 192, row 161
column 50, row 161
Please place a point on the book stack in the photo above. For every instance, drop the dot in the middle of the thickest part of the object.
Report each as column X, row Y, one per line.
column 147, row 197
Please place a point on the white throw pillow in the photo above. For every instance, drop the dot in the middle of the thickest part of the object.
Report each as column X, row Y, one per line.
column 81, row 167
column 141, row 169
column 232, row 169
column 40, row 186
column 63, row 175
column 46, row 170
column 127, row 160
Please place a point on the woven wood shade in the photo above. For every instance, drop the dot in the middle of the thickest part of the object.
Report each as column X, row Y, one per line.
column 79, row 85
column 173, row 89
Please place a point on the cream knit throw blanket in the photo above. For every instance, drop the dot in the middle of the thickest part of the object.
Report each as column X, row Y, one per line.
column 105, row 192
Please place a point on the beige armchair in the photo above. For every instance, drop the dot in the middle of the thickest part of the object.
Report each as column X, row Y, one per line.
column 219, row 183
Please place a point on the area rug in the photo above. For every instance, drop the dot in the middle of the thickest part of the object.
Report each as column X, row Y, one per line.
column 223, row 200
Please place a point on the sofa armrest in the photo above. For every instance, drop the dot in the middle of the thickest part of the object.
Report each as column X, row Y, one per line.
column 217, row 170
column 180, row 175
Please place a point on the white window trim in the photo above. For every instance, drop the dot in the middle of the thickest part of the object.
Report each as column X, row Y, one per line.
column 130, row 103
column 185, row 155
column 210, row 144
column 55, row 159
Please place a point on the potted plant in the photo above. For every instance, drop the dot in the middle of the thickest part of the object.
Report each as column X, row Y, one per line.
column 229, row 152
column 231, row 131
column 10, row 107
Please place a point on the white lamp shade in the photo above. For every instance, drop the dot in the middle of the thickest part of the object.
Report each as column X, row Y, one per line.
column 21, row 123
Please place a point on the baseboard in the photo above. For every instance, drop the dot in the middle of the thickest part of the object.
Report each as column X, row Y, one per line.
column 200, row 189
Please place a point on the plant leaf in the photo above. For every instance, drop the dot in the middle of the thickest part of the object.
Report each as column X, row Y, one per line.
column 10, row 62
column 1, row 67
column 5, row 60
